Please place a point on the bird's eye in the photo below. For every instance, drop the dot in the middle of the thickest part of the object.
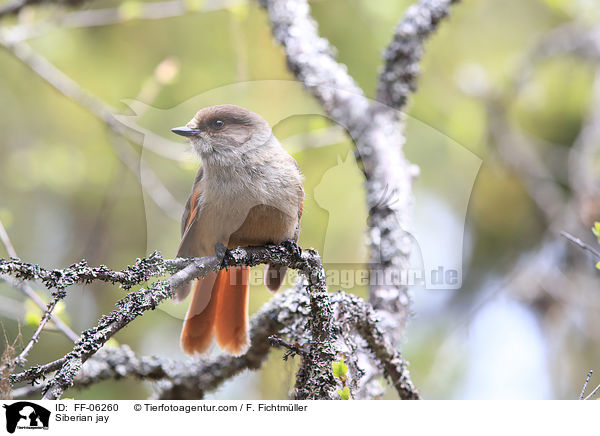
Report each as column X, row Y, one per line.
column 218, row 124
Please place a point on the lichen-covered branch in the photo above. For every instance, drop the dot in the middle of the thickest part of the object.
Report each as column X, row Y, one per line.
column 191, row 379
column 375, row 129
column 399, row 76
column 308, row 263
column 365, row 320
column 136, row 303
column 314, row 380
column 30, row 293
column 284, row 314
column 358, row 330
column 287, row 310
column 81, row 273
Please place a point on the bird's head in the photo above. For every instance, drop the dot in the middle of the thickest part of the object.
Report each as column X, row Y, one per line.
column 223, row 132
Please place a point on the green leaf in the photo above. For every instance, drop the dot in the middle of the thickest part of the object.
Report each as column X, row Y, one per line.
column 598, row 265
column 344, row 393
column 339, row 368
column 596, row 230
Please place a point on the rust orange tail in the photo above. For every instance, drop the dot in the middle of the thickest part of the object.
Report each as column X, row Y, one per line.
column 231, row 322
column 219, row 305
column 199, row 325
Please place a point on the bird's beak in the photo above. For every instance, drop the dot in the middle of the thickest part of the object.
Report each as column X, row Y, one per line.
column 185, row 131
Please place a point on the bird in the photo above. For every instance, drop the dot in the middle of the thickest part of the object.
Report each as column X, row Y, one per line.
column 247, row 192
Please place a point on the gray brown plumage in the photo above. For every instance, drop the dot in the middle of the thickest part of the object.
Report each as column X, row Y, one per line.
column 247, row 192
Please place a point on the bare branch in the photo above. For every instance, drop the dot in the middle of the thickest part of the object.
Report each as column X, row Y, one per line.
column 587, row 380
column 581, row 244
column 520, row 155
column 22, row 357
column 591, row 395
column 584, row 156
column 147, row 11
column 16, row 6
column 150, row 183
column 10, row 249
column 111, row 16
column 103, row 111
column 282, row 311
column 585, row 384
column 29, row 292
column 572, row 38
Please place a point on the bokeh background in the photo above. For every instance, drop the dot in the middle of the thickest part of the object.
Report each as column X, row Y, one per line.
column 524, row 324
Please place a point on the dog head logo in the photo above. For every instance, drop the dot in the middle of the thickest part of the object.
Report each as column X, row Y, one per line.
column 26, row 415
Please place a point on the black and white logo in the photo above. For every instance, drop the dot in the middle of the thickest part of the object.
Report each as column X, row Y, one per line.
column 26, row 415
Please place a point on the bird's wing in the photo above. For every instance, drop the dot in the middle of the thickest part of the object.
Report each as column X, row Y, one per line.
column 192, row 203
column 188, row 245
column 189, row 241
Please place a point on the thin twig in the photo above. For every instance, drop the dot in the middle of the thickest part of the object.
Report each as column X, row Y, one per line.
column 520, row 155
column 581, row 244
column 591, row 395
column 10, row 249
column 103, row 111
column 15, row 7
column 111, row 16
column 29, row 292
column 292, row 349
column 22, row 357
column 147, row 178
column 587, row 380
